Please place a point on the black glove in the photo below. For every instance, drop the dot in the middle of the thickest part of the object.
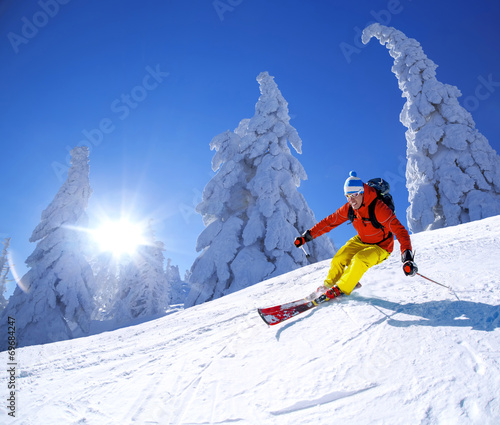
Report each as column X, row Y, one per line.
column 301, row 240
column 409, row 267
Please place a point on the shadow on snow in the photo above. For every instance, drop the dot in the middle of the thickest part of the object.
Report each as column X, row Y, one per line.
column 478, row 316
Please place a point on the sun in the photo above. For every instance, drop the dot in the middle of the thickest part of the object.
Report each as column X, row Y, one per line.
column 119, row 237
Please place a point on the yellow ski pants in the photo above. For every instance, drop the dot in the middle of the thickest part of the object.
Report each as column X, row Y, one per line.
column 351, row 262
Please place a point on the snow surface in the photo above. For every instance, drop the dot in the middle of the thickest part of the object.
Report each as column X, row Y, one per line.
column 397, row 351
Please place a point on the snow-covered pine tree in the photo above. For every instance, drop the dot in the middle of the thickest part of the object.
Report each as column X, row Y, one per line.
column 251, row 208
column 223, row 207
column 106, row 272
column 128, row 290
column 453, row 174
column 279, row 212
column 53, row 301
column 143, row 290
column 178, row 288
column 4, row 272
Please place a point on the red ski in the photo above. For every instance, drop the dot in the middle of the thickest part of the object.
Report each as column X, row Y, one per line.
column 280, row 313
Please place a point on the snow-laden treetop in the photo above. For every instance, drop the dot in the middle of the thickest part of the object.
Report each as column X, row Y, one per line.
column 271, row 114
column 453, row 174
column 71, row 199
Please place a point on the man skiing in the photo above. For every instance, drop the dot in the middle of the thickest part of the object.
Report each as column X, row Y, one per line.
column 370, row 246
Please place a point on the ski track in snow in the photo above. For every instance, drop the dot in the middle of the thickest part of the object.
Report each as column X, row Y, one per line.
column 397, row 351
column 327, row 398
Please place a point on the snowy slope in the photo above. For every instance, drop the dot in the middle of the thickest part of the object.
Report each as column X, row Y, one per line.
column 398, row 351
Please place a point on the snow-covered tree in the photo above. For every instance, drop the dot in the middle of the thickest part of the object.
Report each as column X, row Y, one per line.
column 223, row 207
column 106, row 273
column 251, row 208
column 453, row 174
column 143, row 290
column 129, row 289
column 279, row 212
column 178, row 288
column 53, row 301
column 4, row 272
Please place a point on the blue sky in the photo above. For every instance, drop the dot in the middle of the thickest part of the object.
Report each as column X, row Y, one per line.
column 151, row 83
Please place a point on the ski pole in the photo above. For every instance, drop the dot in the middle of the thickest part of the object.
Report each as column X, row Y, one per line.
column 437, row 283
column 433, row 281
column 307, row 255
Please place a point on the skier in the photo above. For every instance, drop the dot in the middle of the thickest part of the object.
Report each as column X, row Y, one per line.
column 369, row 247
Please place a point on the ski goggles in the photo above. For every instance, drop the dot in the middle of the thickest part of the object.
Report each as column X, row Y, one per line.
column 351, row 195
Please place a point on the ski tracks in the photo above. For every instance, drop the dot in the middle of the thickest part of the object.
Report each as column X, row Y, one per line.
column 183, row 395
column 175, row 397
column 325, row 399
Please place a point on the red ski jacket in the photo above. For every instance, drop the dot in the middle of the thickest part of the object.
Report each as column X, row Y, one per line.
column 366, row 231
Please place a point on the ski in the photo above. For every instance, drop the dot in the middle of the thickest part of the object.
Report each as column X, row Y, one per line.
column 280, row 313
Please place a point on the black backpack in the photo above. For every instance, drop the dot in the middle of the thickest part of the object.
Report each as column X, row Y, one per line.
column 382, row 187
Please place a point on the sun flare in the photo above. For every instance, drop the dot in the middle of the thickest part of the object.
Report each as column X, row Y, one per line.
column 119, row 237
